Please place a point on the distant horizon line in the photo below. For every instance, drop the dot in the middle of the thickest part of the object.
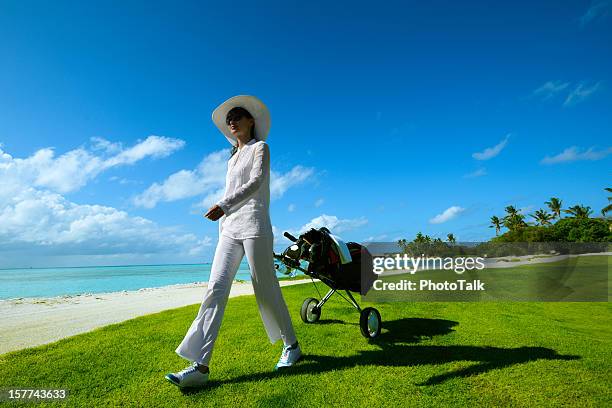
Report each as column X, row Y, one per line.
column 102, row 266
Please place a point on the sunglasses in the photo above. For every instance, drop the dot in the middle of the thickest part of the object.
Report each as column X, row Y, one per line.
column 235, row 117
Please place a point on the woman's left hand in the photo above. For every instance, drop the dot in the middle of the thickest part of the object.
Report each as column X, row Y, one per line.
column 214, row 213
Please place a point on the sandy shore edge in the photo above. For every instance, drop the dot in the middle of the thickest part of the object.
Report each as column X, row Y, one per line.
column 29, row 322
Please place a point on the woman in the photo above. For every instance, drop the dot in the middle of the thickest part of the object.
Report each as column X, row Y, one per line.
column 244, row 228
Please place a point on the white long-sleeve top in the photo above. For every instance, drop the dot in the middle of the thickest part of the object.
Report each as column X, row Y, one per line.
column 246, row 201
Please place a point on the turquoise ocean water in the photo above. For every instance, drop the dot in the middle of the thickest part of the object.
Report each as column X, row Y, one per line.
column 47, row 282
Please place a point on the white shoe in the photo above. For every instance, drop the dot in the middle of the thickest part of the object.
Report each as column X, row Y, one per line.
column 289, row 356
column 189, row 377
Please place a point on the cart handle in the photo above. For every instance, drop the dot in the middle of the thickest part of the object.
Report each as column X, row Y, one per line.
column 290, row 237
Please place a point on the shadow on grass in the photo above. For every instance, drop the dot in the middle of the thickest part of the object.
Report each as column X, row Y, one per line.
column 412, row 330
column 392, row 354
column 332, row 321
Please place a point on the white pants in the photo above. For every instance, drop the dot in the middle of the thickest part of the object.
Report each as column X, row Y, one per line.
column 200, row 338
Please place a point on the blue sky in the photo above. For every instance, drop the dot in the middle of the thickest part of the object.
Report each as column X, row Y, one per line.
column 387, row 119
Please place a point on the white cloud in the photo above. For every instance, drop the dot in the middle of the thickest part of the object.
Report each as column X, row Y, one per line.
column 597, row 10
column 574, row 154
column 35, row 221
column 122, row 180
column 280, row 183
column 491, row 152
column 550, row 89
column 279, row 238
column 74, row 169
column 291, row 207
column 447, row 215
column 66, row 173
column 574, row 93
column 376, row 238
column 478, row 173
column 37, row 218
column 581, row 92
column 208, row 201
column 208, row 179
column 333, row 223
column 319, row 202
column 200, row 246
column 154, row 146
column 99, row 143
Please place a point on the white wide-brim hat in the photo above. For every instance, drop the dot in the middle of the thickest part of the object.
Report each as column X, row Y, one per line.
column 256, row 108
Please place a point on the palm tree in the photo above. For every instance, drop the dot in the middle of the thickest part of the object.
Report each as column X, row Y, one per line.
column 542, row 217
column 496, row 223
column 451, row 238
column 555, row 207
column 608, row 207
column 402, row 243
column 579, row 211
column 515, row 221
column 422, row 239
column 511, row 210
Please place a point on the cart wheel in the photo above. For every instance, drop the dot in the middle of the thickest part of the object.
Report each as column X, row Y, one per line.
column 370, row 322
column 310, row 313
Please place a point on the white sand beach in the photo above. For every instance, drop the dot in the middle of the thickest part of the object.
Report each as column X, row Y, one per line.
column 29, row 322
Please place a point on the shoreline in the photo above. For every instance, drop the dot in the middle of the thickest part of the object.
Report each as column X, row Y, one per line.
column 77, row 296
column 34, row 321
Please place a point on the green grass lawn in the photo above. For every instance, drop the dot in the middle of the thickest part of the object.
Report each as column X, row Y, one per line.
column 429, row 354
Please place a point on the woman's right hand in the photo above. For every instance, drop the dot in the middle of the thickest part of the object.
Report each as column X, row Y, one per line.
column 214, row 213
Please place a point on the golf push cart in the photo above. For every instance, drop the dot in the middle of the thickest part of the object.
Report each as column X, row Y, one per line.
column 328, row 262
